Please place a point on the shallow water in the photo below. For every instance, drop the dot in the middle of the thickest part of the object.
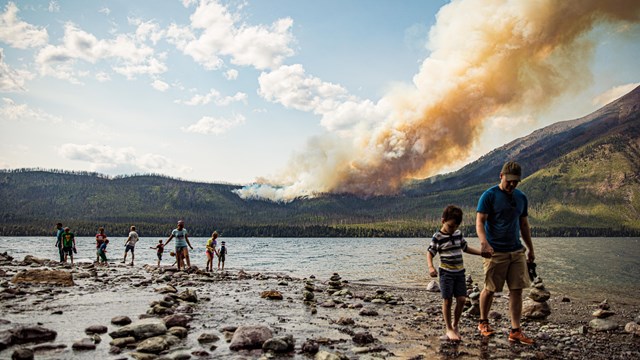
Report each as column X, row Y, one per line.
column 582, row 267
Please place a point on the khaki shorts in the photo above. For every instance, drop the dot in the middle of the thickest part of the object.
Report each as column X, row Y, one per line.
column 508, row 266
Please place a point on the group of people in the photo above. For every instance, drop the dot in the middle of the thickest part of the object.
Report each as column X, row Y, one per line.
column 501, row 218
column 65, row 241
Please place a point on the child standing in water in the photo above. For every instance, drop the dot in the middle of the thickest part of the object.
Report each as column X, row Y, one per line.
column 212, row 243
column 449, row 242
column 68, row 244
column 102, row 253
column 160, row 250
column 100, row 238
column 222, row 252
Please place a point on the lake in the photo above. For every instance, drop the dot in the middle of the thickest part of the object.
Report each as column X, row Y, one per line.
column 584, row 267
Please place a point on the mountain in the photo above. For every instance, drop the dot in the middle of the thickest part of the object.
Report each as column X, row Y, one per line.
column 537, row 150
column 582, row 178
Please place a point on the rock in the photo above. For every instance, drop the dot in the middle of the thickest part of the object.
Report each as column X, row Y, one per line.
column 433, row 286
column 271, row 295
column 325, row 355
column 96, row 329
column 535, row 310
column 368, row 312
column 362, row 338
column 114, row 350
column 38, row 276
column 345, row 321
column 22, row 354
column 602, row 314
column 208, row 338
column 30, row 259
column 177, row 320
column 539, row 295
column 189, row 296
column 603, row 325
column 84, row 344
column 121, row 320
column 141, row 329
column 604, row 305
column 565, row 299
column 308, row 295
column 310, row 347
column 123, row 341
column 279, row 344
column 167, row 290
column 632, row 328
column 142, row 356
column 25, row 334
column 178, row 331
column 157, row 344
column 250, row 337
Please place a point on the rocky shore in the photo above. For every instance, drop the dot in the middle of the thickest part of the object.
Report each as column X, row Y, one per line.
column 49, row 311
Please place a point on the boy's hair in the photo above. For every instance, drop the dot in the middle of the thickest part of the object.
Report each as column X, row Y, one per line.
column 100, row 228
column 59, row 224
column 106, row 241
column 133, row 228
column 452, row 212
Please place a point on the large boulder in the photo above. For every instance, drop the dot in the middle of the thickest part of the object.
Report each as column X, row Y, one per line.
column 40, row 276
column 603, row 324
column 25, row 334
column 250, row 337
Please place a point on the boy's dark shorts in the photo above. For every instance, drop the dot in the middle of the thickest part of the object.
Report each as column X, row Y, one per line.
column 129, row 248
column 68, row 251
column 159, row 256
column 452, row 284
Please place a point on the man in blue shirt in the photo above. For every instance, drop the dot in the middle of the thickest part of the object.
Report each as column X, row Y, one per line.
column 502, row 216
column 59, row 241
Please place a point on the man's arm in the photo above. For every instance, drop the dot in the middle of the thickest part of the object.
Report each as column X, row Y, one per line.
column 485, row 249
column 525, row 231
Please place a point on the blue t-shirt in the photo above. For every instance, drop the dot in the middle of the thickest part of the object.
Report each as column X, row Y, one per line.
column 503, row 224
column 180, row 236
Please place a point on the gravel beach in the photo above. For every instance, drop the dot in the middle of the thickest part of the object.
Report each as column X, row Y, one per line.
column 50, row 311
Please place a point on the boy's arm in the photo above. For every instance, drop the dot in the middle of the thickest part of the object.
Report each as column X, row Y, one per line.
column 473, row 251
column 432, row 270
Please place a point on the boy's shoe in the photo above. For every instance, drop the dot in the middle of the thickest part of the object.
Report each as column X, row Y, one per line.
column 485, row 329
column 518, row 336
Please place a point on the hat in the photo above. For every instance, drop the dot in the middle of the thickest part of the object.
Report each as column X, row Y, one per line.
column 512, row 171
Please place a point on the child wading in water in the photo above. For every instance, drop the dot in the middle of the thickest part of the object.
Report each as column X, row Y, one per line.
column 222, row 252
column 211, row 251
column 102, row 253
column 160, row 248
column 100, row 238
column 449, row 242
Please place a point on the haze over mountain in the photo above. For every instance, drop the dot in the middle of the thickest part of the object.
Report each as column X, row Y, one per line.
column 582, row 177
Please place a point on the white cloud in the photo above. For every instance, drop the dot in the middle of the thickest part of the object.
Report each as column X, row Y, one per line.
column 231, row 74
column 215, row 32
column 102, row 76
column 19, row 34
column 160, row 85
column 127, row 56
column 210, row 125
column 105, row 10
column 12, row 80
column 613, row 94
column 148, row 30
column 214, row 96
column 291, row 87
column 10, row 110
column 104, row 158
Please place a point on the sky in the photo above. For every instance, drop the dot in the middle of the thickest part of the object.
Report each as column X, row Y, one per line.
column 295, row 98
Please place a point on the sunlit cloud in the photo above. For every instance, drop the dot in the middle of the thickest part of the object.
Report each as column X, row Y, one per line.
column 214, row 96
column 231, row 74
column 210, row 125
column 20, row 34
column 215, row 32
column 160, row 85
column 54, row 7
column 10, row 110
column 12, row 80
column 613, row 94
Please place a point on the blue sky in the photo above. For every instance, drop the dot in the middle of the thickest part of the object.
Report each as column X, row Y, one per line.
column 291, row 93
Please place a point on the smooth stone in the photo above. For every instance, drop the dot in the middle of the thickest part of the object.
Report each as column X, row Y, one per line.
column 271, row 295
column 250, row 337
column 177, row 320
column 433, row 286
column 123, row 341
column 121, row 320
column 603, row 324
column 84, row 344
column 279, row 344
column 535, row 310
column 141, row 329
column 632, row 328
column 96, row 329
column 157, row 344
column 39, row 276
column 178, row 331
column 22, row 354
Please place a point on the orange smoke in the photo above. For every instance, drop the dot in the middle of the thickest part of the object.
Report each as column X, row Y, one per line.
column 488, row 57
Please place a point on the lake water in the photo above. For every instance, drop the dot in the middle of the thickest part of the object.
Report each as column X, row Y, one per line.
column 584, row 267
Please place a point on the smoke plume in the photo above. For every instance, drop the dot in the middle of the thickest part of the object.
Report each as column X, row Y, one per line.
column 487, row 58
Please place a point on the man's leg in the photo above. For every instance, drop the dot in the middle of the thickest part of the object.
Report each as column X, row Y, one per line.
column 515, row 307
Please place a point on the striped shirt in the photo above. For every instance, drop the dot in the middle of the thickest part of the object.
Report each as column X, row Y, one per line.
column 450, row 248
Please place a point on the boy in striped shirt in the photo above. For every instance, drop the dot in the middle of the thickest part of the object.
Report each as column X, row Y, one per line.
column 449, row 242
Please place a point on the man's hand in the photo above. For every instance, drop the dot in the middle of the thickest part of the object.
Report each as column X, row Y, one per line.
column 433, row 272
column 486, row 251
